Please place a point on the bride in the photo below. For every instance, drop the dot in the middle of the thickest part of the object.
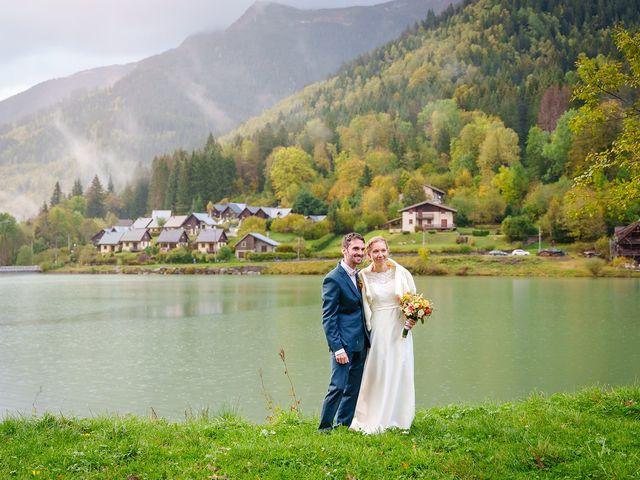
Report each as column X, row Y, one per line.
column 387, row 394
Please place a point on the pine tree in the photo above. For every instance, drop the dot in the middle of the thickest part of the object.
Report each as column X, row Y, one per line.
column 110, row 187
column 183, row 194
column 76, row 190
column 95, row 199
column 56, row 196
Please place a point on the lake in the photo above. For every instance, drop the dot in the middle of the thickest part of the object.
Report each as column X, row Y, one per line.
column 94, row 344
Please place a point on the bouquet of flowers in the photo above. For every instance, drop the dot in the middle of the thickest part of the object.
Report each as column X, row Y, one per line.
column 414, row 307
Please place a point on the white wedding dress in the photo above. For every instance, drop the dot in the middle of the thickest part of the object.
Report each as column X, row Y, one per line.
column 387, row 393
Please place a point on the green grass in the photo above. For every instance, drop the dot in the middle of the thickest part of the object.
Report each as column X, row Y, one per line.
column 592, row 434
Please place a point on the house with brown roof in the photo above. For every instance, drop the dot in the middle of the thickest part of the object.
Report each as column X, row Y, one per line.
column 427, row 215
column 174, row 238
column 626, row 241
column 255, row 242
column 211, row 240
column 135, row 240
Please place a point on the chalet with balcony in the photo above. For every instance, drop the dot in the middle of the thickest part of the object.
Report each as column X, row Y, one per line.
column 427, row 215
column 255, row 242
column 135, row 240
column 626, row 241
column 211, row 240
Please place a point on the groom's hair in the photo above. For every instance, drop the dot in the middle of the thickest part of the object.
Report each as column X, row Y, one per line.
column 350, row 237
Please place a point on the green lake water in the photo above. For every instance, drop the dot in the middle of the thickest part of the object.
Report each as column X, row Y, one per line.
column 90, row 344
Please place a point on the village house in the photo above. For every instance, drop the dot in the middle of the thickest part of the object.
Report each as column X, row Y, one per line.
column 110, row 242
column 204, row 220
column 276, row 212
column 427, row 215
column 170, row 239
column 210, row 240
column 217, row 210
column 316, row 218
column 188, row 222
column 394, row 225
column 135, row 240
column 255, row 242
column 158, row 220
column 626, row 242
column 98, row 236
column 232, row 211
column 433, row 194
column 142, row 222
column 249, row 211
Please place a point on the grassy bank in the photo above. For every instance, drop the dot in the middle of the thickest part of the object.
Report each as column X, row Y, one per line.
column 591, row 434
column 461, row 265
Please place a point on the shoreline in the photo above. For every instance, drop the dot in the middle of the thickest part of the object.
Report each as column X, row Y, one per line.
column 437, row 265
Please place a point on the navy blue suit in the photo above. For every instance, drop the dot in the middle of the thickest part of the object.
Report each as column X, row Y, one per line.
column 344, row 326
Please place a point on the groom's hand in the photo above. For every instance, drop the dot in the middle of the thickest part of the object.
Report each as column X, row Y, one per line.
column 342, row 358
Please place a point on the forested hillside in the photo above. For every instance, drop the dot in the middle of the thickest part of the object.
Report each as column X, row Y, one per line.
column 475, row 101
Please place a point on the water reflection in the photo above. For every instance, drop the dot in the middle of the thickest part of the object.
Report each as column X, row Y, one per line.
column 94, row 344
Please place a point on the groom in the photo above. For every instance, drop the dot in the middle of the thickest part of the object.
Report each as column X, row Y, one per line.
column 347, row 335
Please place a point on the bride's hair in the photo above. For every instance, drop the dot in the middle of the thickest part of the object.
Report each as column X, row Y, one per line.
column 373, row 240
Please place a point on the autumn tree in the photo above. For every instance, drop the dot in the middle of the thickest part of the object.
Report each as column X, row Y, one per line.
column 500, row 147
column 602, row 80
column 290, row 169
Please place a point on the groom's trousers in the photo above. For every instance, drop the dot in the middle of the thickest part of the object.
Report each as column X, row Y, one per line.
column 342, row 396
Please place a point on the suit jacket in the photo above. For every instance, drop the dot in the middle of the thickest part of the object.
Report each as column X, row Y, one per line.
column 342, row 313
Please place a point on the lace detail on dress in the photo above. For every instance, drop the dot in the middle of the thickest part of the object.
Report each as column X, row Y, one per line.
column 381, row 278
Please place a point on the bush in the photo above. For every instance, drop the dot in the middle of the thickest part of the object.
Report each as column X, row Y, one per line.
column 464, row 249
column 480, row 233
column 87, row 255
column 177, row 255
column 518, row 228
column 423, row 253
column 313, row 230
column 602, row 247
column 225, row 254
column 622, row 262
column 265, row 257
column 595, row 266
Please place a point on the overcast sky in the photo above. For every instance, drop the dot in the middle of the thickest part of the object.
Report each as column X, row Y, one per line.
column 45, row 39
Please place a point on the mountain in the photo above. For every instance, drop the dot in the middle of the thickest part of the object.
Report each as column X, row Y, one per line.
column 210, row 83
column 496, row 56
column 47, row 94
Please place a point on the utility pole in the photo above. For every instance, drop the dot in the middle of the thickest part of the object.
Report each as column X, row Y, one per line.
column 539, row 238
